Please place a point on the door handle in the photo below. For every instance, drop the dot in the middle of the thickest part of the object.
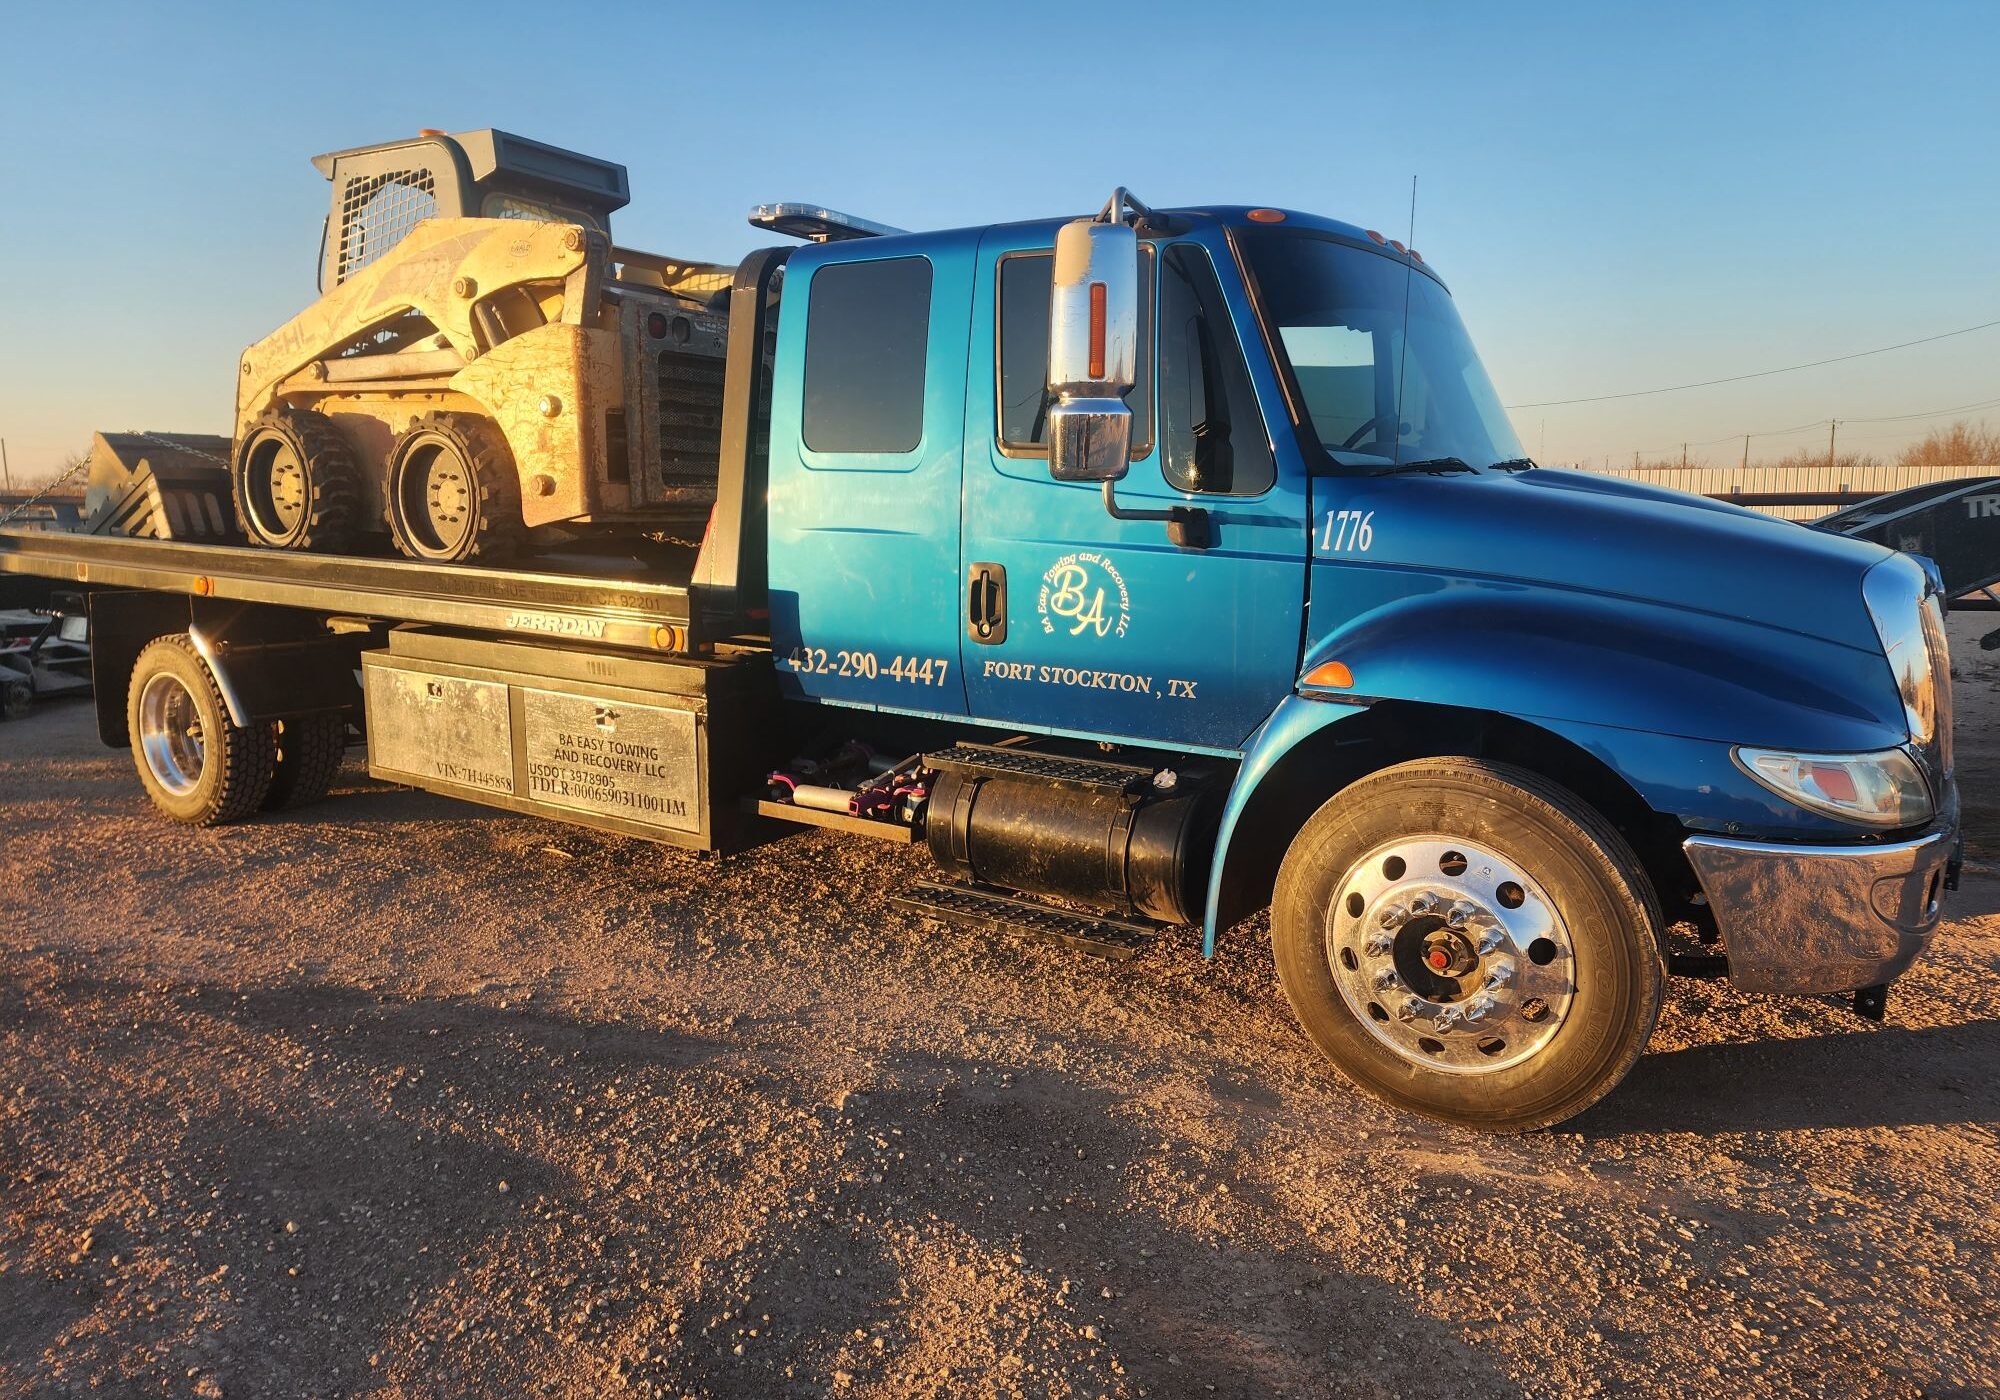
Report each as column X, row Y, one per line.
column 986, row 604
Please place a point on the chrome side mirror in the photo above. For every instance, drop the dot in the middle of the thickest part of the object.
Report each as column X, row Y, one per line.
column 1093, row 346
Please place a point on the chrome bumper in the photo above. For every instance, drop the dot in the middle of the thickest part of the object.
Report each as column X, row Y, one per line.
column 1811, row 919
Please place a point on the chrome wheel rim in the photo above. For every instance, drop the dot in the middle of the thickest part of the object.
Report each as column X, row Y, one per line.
column 1450, row 954
column 170, row 735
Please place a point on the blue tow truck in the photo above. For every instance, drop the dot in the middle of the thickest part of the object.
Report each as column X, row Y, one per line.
column 1153, row 569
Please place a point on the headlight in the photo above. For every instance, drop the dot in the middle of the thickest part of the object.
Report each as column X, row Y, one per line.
column 1875, row 789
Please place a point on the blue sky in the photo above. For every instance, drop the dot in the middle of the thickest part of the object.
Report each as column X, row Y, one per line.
column 1620, row 197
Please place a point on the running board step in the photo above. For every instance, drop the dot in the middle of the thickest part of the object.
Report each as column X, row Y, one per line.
column 995, row 760
column 972, row 907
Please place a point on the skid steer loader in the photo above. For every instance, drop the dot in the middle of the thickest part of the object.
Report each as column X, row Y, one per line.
column 483, row 365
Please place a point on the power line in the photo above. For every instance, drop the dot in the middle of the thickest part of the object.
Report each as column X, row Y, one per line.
column 1759, row 374
column 1824, row 422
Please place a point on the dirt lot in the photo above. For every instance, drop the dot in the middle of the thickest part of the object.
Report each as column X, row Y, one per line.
column 402, row 1097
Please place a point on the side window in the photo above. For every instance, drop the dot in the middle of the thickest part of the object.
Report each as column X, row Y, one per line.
column 1024, row 356
column 867, row 341
column 1211, row 433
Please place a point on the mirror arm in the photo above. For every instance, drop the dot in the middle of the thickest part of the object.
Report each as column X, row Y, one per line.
column 1187, row 526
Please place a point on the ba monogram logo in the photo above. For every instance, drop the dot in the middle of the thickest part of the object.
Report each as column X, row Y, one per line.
column 1084, row 595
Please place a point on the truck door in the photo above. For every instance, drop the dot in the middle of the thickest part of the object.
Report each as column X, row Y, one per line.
column 867, row 439
column 1110, row 628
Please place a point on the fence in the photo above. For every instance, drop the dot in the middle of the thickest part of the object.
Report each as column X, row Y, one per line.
column 1793, row 493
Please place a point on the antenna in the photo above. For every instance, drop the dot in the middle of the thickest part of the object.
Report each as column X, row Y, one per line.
column 1409, row 280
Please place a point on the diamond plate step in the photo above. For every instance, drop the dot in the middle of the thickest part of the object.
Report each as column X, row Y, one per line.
column 1055, row 768
column 972, row 907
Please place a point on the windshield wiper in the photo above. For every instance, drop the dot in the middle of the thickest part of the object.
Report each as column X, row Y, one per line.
column 1516, row 464
column 1436, row 466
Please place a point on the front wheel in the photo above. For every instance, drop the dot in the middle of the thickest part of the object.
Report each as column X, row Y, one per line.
column 1471, row 942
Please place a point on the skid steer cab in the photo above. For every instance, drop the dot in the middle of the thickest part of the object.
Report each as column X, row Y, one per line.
column 482, row 363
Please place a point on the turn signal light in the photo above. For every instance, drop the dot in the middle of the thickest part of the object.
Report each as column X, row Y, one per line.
column 1097, row 313
column 1333, row 675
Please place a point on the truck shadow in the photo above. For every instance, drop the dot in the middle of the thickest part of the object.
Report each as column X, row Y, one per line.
column 906, row 1216
column 1884, row 1077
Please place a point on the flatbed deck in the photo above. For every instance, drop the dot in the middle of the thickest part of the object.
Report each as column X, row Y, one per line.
column 645, row 606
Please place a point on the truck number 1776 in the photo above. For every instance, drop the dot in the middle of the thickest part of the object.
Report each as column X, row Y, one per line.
column 1347, row 532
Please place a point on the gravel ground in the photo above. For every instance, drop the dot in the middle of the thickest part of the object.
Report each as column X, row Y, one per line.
column 402, row 1097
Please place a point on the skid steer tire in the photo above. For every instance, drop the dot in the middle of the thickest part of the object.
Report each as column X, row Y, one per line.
column 452, row 493
column 310, row 749
column 295, row 484
column 199, row 769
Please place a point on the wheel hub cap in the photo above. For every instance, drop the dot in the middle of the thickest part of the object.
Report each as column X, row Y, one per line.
column 1450, row 954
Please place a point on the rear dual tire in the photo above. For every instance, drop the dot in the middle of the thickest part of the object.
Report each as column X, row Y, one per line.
column 202, row 769
column 1470, row 942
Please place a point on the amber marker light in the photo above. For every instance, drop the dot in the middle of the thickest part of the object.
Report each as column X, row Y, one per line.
column 1097, row 295
column 1330, row 675
column 1267, row 216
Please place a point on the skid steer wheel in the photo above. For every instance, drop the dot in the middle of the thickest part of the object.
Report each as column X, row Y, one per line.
column 1471, row 942
column 295, row 483
column 197, row 767
column 309, row 750
column 452, row 492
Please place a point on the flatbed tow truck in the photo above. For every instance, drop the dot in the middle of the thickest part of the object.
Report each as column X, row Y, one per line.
column 1153, row 569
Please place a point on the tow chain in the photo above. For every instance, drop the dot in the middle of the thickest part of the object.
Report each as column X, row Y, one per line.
column 22, row 509
column 82, row 464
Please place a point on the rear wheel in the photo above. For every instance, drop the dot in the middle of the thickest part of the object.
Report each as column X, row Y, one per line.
column 198, row 768
column 295, row 483
column 452, row 492
column 1471, row 942
column 309, row 751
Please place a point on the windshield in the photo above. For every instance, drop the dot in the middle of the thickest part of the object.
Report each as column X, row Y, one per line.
column 1338, row 315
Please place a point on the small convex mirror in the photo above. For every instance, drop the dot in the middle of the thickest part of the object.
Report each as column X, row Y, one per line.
column 1093, row 349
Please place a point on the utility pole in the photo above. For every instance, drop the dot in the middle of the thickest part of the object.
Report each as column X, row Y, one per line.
column 1832, row 427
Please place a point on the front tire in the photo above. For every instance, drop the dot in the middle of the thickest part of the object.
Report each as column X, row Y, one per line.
column 452, row 491
column 199, row 769
column 1470, row 942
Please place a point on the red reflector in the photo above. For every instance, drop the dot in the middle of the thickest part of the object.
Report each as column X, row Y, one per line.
column 1097, row 295
column 1836, row 783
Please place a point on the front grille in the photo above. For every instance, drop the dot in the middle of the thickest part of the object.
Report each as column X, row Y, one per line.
column 690, row 414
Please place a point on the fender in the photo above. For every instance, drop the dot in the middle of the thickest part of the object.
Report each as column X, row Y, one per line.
column 1655, row 693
